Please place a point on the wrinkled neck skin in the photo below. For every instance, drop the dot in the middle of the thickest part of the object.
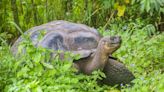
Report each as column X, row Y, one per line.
column 99, row 60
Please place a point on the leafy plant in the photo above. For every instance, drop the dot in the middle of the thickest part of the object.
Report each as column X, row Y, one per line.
column 35, row 70
column 150, row 6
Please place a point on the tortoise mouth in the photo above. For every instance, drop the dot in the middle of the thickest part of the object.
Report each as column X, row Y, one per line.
column 119, row 42
column 116, row 45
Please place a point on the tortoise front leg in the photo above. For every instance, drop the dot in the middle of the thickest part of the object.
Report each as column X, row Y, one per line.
column 116, row 73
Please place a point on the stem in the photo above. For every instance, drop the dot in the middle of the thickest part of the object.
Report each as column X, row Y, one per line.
column 111, row 16
column 15, row 12
column 92, row 14
column 34, row 12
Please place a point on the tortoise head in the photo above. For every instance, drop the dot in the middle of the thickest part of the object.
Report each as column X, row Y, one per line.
column 109, row 44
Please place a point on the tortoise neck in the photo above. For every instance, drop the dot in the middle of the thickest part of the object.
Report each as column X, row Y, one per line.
column 98, row 62
column 100, row 57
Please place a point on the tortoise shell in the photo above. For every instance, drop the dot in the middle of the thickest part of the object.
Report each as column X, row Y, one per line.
column 63, row 35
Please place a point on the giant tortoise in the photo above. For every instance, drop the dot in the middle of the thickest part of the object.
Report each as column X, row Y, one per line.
column 95, row 50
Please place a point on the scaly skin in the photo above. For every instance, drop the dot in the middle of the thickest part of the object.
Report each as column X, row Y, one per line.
column 106, row 46
column 116, row 73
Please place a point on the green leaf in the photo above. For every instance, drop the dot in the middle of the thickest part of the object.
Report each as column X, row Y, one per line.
column 36, row 57
column 47, row 65
column 147, row 5
column 39, row 89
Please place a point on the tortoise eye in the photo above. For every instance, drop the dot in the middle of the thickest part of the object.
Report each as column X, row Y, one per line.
column 105, row 42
